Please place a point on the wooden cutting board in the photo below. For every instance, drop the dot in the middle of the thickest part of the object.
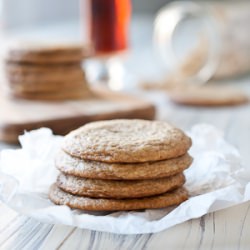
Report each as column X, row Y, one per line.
column 16, row 116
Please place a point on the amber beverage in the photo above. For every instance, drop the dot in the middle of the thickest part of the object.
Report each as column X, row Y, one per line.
column 108, row 25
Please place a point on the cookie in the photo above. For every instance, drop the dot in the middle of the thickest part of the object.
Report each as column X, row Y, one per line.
column 118, row 189
column 60, row 197
column 119, row 171
column 46, row 53
column 29, row 72
column 45, row 87
column 46, row 79
column 72, row 94
column 127, row 141
column 208, row 96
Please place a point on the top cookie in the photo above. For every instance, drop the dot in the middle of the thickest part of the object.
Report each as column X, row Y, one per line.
column 127, row 141
column 45, row 53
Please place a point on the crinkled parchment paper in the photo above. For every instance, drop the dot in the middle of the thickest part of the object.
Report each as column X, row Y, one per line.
column 214, row 181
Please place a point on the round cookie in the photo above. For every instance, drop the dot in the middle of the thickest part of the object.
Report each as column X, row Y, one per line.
column 31, row 72
column 127, row 141
column 72, row 94
column 118, row 189
column 60, row 197
column 46, row 53
column 45, row 80
column 47, row 88
column 119, row 171
column 207, row 96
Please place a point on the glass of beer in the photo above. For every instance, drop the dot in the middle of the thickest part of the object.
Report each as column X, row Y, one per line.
column 107, row 24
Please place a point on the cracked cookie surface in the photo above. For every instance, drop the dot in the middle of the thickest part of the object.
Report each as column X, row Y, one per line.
column 127, row 141
column 60, row 197
column 118, row 189
column 121, row 171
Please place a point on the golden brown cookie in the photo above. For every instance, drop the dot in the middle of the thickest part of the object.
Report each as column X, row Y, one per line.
column 208, row 96
column 29, row 72
column 60, row 197
column 118, row 189
column 46, row 53
column 120, row 171
column 55, row 76
column 72, row 94
column 45, row 87
column 127, row 141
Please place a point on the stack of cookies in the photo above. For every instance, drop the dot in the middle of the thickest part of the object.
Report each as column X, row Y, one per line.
column 122, row 165
column 45, row 71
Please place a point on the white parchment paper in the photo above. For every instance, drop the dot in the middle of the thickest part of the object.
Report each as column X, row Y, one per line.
column 215, row 181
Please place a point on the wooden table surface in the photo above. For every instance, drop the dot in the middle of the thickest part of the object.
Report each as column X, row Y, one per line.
column 225, row 229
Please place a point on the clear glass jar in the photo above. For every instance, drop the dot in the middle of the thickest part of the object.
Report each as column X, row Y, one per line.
column 204, row 40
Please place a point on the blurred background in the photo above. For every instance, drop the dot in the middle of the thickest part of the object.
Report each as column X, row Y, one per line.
column 229, row 46
column 60, row 20
column 30, row 12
